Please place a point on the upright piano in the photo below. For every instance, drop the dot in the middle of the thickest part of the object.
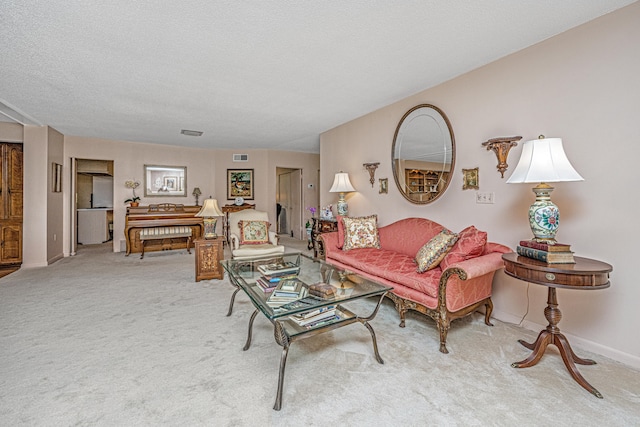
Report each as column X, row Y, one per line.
column 160, row 215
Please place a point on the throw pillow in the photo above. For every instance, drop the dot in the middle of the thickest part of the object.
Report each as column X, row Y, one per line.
column 361, row 232
column 470, row 244
column 253, row 232
column 430, row 255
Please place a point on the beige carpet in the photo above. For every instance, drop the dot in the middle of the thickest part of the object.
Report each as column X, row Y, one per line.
column 101, row 339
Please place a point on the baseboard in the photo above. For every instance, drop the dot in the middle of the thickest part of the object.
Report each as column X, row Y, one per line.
column 617, row 355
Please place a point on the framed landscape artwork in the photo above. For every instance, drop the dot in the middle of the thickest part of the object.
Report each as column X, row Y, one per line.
column 470, row 180
column 240, row 183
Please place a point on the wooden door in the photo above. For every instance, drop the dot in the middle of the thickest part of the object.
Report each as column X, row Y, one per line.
column 11, row 191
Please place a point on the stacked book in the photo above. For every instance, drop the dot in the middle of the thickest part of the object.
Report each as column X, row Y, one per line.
column 286, row 291
column 273, row 273
column 551, row 253
column 318, row 317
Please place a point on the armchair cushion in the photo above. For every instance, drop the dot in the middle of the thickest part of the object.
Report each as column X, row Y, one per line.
column 253, row 232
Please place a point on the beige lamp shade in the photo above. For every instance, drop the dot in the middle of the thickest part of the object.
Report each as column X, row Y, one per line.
column 341, row 184
column 210, row 211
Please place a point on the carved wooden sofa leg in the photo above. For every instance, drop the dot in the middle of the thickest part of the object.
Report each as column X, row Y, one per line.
column 487, row 312
column 400, row 305
column 443, row 328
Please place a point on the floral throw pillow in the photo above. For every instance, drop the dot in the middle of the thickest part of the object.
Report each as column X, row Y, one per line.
column 430, row 255
column 253, row 232
column 361, row 232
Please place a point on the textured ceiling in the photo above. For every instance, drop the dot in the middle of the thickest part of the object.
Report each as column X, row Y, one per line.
column 250, row 73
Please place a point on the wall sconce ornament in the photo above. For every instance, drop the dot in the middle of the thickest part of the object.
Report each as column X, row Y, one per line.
column 371, row 167
column 471, row 180
column 501, row 147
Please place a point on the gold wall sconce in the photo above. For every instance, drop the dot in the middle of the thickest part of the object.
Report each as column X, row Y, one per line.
column 501, row 147
column 371, row 167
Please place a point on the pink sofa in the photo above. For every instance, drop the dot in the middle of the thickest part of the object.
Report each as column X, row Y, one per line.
column 463, row 286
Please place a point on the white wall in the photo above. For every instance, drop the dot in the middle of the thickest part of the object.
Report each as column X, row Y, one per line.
column 581, row 86
column 206, row 169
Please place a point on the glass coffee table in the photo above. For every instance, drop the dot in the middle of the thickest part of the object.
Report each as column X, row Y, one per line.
column 288, row 318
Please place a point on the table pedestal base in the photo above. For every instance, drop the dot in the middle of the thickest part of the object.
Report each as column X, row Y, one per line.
column 552, row 335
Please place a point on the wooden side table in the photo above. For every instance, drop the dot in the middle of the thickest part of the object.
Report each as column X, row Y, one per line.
column 321, row 226
column 209, row 253
column 587, row 274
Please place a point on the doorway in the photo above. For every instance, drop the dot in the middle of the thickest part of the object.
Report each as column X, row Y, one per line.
column 289, row 202
column 92, row 206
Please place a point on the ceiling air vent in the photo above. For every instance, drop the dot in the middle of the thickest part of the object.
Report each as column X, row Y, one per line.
column 191, row 132
column 240, row 157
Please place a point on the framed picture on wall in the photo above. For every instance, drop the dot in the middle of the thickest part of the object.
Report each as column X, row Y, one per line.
column 240, row 183
column 470, row 180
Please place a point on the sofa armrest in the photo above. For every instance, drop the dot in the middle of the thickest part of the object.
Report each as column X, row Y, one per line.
column 330, row 242
column 479, row 266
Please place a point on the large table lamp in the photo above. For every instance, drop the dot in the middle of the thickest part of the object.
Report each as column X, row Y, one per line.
column 543, row 160
column 341, row 184
column 210, row 211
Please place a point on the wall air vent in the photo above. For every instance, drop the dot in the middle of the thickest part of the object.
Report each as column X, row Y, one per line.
column 240, row 157
column 191, row 132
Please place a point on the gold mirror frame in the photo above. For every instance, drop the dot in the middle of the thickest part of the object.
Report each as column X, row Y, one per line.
column 422, row 177
column 165, row 181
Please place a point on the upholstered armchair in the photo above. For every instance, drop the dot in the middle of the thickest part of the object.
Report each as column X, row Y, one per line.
column 250, row 236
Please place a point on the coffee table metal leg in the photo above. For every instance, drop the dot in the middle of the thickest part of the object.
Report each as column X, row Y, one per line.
column 283, row 364
column 250, row 331
column 365, row 322
column 233, row 298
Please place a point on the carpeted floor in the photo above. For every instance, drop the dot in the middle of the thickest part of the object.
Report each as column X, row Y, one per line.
column 101, row 339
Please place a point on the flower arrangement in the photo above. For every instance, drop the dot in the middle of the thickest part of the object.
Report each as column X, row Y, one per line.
column 313, row 211
column 132, row 184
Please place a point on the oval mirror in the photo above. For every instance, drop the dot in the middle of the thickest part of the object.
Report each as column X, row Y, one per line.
column 423, row 154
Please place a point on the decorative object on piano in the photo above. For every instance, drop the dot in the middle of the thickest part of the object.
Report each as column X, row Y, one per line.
column 544, row 160
column 132, row 184
column 470, row 179
column 240, row 183
column 165, row 181
column 341, row 184
column 210, row 211
column 501, row 147
column 371, row 167
column 196, row 193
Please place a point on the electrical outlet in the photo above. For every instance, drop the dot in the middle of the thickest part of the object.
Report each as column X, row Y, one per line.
column 485, row 197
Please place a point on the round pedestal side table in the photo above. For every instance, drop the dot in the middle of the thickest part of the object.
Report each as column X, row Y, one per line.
column 585, row 274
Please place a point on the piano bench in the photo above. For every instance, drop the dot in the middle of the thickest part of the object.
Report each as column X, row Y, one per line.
column 160, row 233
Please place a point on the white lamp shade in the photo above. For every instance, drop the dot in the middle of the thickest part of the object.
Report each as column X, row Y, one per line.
column 543, row 160
column 210, row 209
column 341, row 183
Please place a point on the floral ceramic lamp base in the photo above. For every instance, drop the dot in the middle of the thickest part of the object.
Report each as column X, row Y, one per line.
column 210, row 227
column 342, row 206
column 544, row 216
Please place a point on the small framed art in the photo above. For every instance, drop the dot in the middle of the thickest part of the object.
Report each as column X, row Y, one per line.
column 470, row 179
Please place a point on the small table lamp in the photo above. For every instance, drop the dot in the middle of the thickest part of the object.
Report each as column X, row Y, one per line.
column 210, row 211
column 196, row 193
column 543, row 160
column 341, row 184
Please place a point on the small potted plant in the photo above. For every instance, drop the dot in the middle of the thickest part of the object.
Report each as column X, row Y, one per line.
column 135, row 200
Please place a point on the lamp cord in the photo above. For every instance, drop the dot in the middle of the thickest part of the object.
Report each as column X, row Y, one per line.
column 526, row 312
